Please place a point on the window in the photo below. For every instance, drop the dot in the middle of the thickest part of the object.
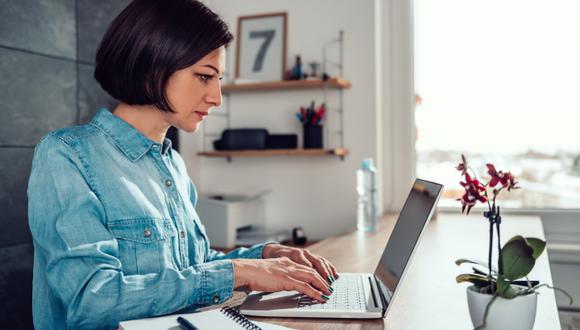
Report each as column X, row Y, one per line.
column 499, row 80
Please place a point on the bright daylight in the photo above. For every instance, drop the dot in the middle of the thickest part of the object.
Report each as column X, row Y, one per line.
column 500, row 79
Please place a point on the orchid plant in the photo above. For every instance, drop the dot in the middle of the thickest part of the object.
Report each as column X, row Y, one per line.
column 517, row 257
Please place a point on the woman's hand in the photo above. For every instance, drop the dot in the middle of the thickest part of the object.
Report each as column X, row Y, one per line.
column 280, row 274
column 302, row 257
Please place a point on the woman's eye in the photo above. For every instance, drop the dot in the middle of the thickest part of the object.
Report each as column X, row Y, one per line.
column 204, row 77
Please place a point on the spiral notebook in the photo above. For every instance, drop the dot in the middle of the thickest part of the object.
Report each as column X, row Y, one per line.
column 225, row 318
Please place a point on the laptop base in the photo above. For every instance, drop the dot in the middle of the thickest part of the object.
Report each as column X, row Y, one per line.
column 294, row 304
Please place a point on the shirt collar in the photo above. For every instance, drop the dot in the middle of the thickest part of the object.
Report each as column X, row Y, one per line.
column 126, row 137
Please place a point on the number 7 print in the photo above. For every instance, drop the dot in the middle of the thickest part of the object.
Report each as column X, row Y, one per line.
column 268, row 35
column 261, row 47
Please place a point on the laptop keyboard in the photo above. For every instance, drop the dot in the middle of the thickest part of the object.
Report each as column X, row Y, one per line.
column 348, row 295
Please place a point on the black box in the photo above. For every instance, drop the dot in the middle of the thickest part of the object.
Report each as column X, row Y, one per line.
column 242, row 139
column 282, row 141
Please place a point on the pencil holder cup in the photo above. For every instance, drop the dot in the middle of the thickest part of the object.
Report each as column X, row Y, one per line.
column 312, row 136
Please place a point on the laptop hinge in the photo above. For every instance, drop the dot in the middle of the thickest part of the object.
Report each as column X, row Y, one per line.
column 373, row 292
column 383, row 299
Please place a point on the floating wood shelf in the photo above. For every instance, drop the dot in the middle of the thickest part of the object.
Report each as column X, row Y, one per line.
column 335, row 83
column 276, row 152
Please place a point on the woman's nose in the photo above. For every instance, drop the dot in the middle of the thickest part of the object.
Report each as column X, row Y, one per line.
column 214, row 95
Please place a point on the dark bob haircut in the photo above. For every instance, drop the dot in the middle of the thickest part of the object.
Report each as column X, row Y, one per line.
column 149, row 41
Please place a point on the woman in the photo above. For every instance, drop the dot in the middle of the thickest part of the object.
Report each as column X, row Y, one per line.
column 111, row 207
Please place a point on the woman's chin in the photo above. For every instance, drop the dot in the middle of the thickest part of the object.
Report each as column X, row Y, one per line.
column 191, row 128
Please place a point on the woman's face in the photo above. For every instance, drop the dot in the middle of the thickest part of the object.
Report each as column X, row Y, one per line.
column 195, row 90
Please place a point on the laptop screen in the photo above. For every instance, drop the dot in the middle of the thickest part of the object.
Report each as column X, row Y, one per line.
column 412, row 219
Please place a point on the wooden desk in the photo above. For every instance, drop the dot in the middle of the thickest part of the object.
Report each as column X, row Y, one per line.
column 429, row 298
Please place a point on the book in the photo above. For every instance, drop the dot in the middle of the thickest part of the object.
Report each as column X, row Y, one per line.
column 224, row 318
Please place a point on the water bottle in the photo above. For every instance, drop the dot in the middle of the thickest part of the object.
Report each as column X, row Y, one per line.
column 367, row 213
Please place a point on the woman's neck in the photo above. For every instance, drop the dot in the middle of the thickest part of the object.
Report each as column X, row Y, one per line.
column 145, row 118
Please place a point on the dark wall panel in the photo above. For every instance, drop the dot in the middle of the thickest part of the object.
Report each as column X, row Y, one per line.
column 43, row 26
column 94, row 19
column 91, row 96
column 38, row 96
column 15, row 164
column 16, row 286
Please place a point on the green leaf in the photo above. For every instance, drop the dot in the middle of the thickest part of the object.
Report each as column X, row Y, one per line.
column 517, row 258
column 478, row 280
column 504, row 289
column 459, row 262
column 537, row 245
column 515, row 238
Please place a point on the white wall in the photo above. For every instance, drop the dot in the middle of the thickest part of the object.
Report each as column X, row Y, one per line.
column 315, row 193
column 398, row 101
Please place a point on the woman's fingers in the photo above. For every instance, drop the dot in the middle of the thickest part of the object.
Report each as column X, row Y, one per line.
column 299, row 256
column 279, row 274
column 320, row 265
column 304, row 288
column 307, row 274
column 332, row 268
column 310, row 276
column 306, row 258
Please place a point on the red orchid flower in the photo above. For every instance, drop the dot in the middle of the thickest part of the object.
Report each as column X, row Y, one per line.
column 472, row 184
column 462, row 167
column 467, row 201
column 498, row 176
column 473, row 189
column 512, row 183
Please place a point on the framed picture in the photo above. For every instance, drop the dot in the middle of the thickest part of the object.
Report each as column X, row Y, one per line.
column 261, row 47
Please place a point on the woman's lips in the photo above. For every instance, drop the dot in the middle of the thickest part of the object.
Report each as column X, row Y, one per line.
column 201, row 114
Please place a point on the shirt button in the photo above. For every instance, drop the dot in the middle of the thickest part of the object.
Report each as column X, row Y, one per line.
column 216, row 299
column 168, row 183
column 182, row 234
column 147, row 233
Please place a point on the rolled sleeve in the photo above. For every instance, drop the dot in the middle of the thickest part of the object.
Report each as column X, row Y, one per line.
column 254, row 252
column 217, row 282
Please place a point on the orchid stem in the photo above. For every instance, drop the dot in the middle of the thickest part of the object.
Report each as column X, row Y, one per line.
column 500, row 254
column 490, row 252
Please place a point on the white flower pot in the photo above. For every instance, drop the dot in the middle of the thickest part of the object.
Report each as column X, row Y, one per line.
column 510, row 314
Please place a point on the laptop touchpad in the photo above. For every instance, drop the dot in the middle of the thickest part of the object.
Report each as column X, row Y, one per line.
column 271, row 300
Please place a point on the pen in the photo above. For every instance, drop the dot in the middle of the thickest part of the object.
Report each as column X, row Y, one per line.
column 299, row 117
column 185, row 324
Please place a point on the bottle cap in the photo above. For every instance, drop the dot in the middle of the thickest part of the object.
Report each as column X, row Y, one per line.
column 367, row 164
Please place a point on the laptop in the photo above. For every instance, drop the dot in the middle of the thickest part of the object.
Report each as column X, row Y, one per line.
column 360, row 295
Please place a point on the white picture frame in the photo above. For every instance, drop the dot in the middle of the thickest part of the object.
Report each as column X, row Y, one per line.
column 261, row 47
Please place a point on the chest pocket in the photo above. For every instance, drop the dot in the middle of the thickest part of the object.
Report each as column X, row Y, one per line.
column 145, row 244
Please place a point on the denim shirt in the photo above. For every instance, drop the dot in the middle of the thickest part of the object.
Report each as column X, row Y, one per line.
column 116, row 234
